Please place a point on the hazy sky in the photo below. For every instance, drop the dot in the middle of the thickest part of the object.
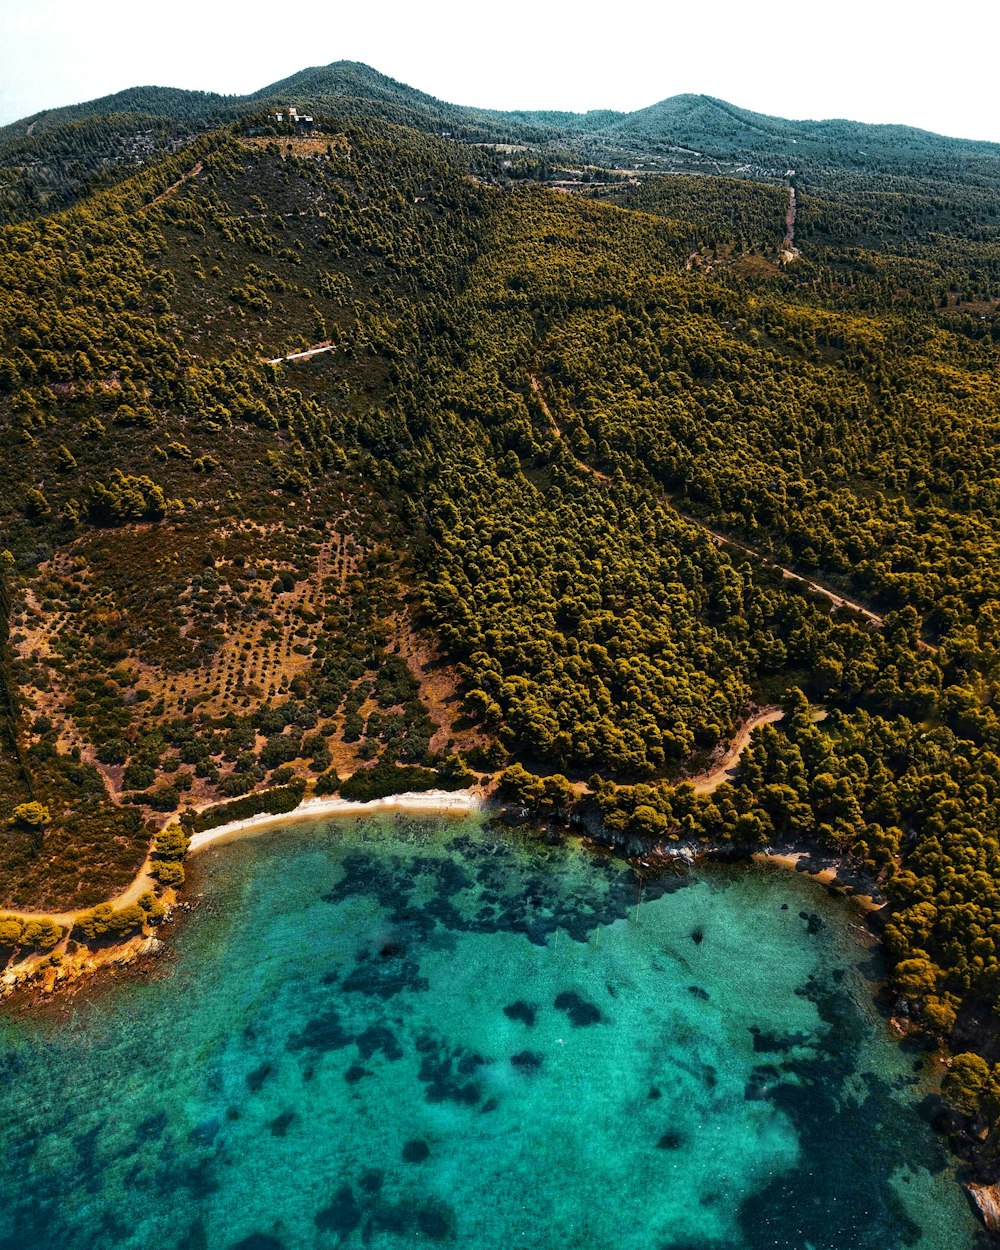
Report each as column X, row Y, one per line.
column 871, row 60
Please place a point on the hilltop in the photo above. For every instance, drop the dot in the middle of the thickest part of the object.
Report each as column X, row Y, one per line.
column 50, row 158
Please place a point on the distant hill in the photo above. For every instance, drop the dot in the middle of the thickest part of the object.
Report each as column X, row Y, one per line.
column 729, row 133
column 309, row 88
column 49, row 160
column 166, row 102
column 352, row 79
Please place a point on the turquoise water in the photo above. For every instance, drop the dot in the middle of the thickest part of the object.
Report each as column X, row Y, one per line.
column 394, row 1034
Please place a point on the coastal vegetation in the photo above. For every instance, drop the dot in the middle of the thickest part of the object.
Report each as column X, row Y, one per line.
column 529, row 510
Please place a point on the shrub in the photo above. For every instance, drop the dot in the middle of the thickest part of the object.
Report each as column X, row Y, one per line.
column 321, row 760
column 328, row 782
column 163, row 800
column 280, row 750
column 454, row 773
column 42, row 934
column 138, row 776
column 271, row 719
column 236, row 784
column 93, row 924
column 106, row 921
column 113, row 751
column 964, row 1082
column 151, row 905
column 35, row 815
column 168, row 872
column 193, row 752
column 384, row 779
column 276, row 800
column 127, row 920
column 550, row 794
column 125, row 498
column 170, row 843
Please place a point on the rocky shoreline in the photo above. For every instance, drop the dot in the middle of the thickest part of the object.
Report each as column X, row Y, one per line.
column 70, row 960
column 980, row 1184
column 43, row 974
column 986, row 1200
column 38, row 979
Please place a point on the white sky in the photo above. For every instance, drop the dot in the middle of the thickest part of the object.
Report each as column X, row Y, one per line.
column 913, row 61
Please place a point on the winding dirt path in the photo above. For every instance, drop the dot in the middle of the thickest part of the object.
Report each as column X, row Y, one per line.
column 788, row 251
column 536, row 386
column 724, row 759
column 723, row 540
column 193, row 172
column 838, row 600
column 138, row 886
column 703, row 783
column 790, row 218
column 722, row 770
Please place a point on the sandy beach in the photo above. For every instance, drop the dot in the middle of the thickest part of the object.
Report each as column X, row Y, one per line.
column 425, row 803
column 797, row 861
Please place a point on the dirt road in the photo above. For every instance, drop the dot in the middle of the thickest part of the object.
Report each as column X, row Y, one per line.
column 312, row 351
column 723, row 540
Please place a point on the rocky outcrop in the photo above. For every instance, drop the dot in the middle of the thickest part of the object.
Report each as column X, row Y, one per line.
column 44, row 974
column 987, row 1201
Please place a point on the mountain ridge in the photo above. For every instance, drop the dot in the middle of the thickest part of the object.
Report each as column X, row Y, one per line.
column 334, row 79
column 53, row 158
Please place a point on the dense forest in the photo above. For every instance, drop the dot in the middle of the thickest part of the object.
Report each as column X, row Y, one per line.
column 527, row 510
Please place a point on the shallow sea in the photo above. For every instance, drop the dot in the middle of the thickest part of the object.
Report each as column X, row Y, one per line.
column 397, row 1033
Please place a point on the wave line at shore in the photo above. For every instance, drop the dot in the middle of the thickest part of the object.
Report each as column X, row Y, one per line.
column 426, row 803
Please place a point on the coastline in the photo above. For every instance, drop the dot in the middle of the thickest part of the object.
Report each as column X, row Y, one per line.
column 830, row 874
column 71, row 960
column 827, row 870
column 425, row 802
column 38, row 980
column 458, row 803
column 42, row 974
column 428, row 802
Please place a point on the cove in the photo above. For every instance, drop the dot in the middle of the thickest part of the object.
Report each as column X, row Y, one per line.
column 396, row 1033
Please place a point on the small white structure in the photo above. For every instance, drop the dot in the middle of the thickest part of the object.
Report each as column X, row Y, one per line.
column 295, row 117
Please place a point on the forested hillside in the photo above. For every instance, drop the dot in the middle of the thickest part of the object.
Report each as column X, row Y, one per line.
column 528, row 506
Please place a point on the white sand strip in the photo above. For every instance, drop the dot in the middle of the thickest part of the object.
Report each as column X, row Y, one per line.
column 426, row 803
